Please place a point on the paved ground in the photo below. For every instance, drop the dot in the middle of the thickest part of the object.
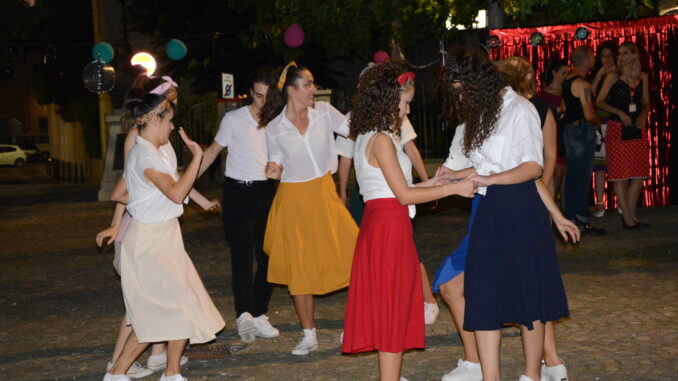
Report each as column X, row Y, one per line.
column 61, row 302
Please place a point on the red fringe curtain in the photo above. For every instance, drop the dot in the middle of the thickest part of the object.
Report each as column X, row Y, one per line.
column 654, row 38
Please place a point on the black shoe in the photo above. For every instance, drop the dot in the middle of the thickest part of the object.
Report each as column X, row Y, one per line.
column 643, row 225
column 587, row 229
column 637, row 226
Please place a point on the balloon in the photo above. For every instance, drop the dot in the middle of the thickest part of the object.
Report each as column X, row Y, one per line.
column 380, row 57
column 294, row 36
column 103, row 50
column 176, row 49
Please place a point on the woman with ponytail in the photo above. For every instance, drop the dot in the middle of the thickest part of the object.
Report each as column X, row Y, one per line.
column 310, row 236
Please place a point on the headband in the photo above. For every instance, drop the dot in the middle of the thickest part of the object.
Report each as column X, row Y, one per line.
column 147, row 117
column 403, row 78
column 160, row 90
column 283, row 75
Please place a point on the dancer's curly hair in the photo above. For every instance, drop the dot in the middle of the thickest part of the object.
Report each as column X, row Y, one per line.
column 478, row 101
column 374, row 107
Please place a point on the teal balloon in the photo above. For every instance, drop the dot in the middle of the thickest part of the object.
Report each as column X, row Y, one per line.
column 176, row 49
column 105, row 50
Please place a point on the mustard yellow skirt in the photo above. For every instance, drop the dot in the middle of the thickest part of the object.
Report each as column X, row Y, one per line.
column 310, row 238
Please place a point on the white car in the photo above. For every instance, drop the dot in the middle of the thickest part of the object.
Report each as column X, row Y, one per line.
column 12, row 155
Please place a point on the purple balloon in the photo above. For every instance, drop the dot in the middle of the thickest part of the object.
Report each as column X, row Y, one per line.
column 380, row 57
column 294, row 36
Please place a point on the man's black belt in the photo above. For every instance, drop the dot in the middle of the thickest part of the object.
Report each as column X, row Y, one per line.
column 247, row 183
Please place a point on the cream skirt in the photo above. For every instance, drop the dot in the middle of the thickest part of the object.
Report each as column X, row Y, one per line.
column 164, row 296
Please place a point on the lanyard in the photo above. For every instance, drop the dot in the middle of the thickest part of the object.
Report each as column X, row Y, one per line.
column 632, row 90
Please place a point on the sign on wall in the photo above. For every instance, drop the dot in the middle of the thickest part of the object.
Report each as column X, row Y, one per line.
column 227, row 87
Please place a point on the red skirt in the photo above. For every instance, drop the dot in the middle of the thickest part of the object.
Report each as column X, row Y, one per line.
column 385, row 309
column 626, row 159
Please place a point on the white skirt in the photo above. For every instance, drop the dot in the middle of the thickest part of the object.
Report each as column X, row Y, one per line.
column 164, row 296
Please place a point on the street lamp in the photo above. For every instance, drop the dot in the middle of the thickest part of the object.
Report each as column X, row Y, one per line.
column 146, row 60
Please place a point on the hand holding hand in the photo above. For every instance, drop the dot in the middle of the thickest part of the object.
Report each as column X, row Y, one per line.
column 194, row 147
column 468, row 186
column 443, row 171
column 212, row 205
column 273, row 170
column 110, row 233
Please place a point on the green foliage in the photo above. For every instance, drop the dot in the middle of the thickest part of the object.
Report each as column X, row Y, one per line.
column 345, row 28
column 550, row 12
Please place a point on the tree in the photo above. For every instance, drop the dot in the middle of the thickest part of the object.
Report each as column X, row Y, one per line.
column 525, row 13
column 237, row 35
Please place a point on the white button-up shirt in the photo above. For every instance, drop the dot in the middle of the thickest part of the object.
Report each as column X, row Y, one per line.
column 147, row 204
column 246, row 143
column 517, row 139
column 345, row 145
column 309, row 156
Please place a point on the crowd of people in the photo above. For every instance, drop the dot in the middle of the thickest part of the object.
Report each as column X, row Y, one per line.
column 516, row 150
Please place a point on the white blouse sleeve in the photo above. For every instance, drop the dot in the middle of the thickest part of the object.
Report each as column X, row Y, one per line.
column 456, row 160
column 407, row 132
column 338, row 121
column 345, row 146
column 528, row 141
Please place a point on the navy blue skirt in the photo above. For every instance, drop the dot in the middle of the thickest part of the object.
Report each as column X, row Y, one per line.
column 512, row 273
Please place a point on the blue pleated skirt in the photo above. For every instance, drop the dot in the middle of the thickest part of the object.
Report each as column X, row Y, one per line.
column 512, row 273
column 455, row 263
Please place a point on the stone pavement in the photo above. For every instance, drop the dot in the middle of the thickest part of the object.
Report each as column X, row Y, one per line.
column 61, row 303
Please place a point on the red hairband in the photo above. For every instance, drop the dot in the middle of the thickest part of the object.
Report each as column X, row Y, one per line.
column 403, row 78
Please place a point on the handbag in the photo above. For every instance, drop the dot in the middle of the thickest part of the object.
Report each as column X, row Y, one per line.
column 630, row 133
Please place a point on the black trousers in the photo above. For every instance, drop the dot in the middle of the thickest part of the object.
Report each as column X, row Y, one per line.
column 245, row 211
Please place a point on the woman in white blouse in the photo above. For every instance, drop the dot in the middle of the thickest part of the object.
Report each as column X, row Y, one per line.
column 164, row 296
column 512, row 273
column 310, row 236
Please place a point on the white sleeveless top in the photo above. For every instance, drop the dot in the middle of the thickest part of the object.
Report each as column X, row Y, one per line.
column 371, row 180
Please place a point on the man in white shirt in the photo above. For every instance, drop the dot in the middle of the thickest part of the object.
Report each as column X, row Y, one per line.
column 247, row 198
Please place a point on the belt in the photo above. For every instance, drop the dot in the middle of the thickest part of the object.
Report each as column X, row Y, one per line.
column 247, row 183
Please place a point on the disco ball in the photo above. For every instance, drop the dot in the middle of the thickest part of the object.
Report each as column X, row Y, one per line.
column 581, row 33
column 98, row 77
column 536, row 39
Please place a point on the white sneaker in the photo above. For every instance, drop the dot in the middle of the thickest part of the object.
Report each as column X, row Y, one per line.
column 599, row 210
column 176, row 377
column 524, row 378
column 263, row 328
column 554, row 373
column 159, row 362
column 465, row 371
column 308, row 344
column 403, row 379
column 135, row 371
column 246, row 330
column 116, row 377
column 431, row 311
